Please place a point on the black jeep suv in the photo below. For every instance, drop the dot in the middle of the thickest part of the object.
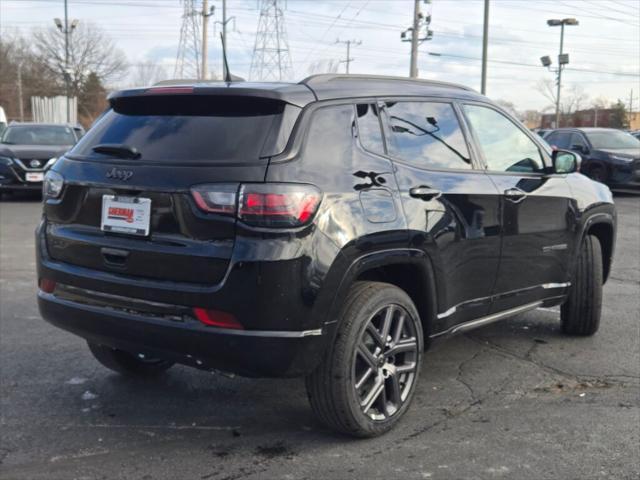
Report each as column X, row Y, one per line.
column 330, row 229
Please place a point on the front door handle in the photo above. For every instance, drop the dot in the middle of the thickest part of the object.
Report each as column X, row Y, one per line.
column 425, row 193
column 515, row 195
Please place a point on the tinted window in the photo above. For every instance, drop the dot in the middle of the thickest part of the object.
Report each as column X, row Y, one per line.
column 577, row 140
column 189, row 129
column 369, row 128
column 506, row 147
column 612, row 140
column 559, row 139
column 426, row 134
column 39, row 135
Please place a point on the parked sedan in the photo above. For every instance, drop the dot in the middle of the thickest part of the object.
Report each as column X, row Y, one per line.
column 609, row 156
column 27, row 150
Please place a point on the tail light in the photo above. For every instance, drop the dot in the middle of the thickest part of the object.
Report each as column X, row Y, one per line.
column 278, row 205
column 47, row 285
column 216, row 318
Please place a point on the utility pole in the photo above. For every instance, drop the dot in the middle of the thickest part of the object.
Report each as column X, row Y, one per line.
column 485, row 43
column 66, row 31
column 348, row 43
column 20, row 99
column 413, row 69
column 418, row 22
column 631, row 101
column 206, row 13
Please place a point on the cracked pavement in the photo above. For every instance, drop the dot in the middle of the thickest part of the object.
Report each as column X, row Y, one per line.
column 513, row 400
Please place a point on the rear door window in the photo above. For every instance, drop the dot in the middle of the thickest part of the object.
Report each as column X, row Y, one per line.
column 197, row 129
column 427, row 135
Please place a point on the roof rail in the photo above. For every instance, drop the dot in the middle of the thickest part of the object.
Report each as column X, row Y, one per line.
column 329, row 77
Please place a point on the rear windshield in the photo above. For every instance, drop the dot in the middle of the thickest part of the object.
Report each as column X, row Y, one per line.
column 188, row 129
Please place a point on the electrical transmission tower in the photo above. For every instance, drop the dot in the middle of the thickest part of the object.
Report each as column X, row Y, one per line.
column 188, row 58
column 271, row 58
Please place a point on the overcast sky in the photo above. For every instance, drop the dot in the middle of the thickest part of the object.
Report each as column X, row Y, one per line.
column 604, row 49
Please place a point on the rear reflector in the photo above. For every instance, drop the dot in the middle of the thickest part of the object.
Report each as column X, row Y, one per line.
column 47, row 285
column 216, row 318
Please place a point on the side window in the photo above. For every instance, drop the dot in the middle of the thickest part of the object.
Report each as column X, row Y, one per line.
column 330, row 134
column 559, row 139
column 369, row 128
column 427, row 135
column 577, row 142
column 506, row 147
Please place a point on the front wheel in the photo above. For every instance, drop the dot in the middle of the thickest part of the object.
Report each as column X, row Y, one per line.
column 580, row 314
column 368, row 377
column 127, row 363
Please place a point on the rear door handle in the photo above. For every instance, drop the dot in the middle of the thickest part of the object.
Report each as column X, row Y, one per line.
column 114, row 257
column 515, row 195
column 424, row 193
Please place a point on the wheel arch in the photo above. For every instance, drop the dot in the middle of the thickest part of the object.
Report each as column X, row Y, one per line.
column 604, row 231
column 410, row 270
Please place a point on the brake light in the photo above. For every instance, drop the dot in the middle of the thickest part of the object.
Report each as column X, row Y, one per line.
column 261, row 204
column 47, row 285
column 177, row 90
column 216, row 318
column 278, row 204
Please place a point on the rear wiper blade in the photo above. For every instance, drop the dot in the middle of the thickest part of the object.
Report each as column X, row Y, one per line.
column 117, row 149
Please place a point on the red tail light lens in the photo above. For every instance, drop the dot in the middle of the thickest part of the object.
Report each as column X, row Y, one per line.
column 47, row 285
column 278, row 204
column 216, row 318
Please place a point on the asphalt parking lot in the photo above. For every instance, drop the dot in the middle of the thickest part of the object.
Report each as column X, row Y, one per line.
column 513, row 400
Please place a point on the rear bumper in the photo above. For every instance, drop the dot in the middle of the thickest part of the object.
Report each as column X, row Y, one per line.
column 249, row 353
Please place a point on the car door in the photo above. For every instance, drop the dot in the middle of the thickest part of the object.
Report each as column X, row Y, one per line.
column 450, row 205
column 538, row 217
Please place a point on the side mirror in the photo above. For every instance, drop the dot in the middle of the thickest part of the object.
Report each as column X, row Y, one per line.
column 565, row 161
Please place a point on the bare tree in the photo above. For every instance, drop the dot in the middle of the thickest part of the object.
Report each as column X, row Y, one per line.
column 572, row 99
column 148, row 73
column 90, row 51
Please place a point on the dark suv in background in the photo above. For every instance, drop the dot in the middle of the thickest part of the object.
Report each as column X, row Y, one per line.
column 27, row 150
column 609, row 156
column 330, row 229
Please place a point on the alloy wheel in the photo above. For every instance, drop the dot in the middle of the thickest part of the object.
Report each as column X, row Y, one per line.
column 385, row 362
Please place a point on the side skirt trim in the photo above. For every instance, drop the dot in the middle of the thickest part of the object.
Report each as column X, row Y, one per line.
column 482, row 321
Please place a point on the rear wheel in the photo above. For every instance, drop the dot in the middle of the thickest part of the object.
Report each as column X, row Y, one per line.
column 580, row 314
column 127, row 363
column 367, row 379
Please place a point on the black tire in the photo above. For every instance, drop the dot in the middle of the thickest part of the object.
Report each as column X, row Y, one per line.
column 331, row 388
column 127, row 363
column 580, row 314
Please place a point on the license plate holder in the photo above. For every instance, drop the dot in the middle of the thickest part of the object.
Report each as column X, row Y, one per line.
column 34, row 176
column 121, row 214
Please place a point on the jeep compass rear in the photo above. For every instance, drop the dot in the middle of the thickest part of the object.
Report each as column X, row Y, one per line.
column 325, row 229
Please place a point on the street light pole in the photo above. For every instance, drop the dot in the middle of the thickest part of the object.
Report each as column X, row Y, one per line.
column 559, row 86
column 66, row 59
column 66, row 31
column 485, row 42
column 562, row 58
